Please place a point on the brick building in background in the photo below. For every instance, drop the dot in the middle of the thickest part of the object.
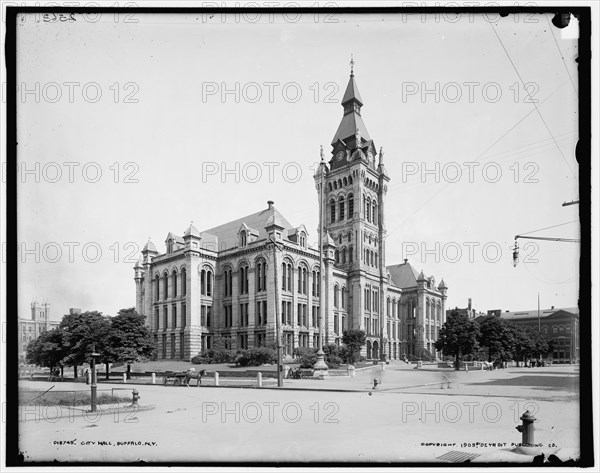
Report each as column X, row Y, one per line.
column 221, row 281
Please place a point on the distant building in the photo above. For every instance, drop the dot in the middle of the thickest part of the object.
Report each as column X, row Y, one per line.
column 560, row 325
column 30, row 329
column 469, row 311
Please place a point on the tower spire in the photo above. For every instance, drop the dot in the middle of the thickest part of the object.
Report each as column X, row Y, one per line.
column 351, row 65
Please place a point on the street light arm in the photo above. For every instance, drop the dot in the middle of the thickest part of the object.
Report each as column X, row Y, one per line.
column 565, row 240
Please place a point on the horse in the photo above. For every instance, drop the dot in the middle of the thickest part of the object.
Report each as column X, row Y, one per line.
column 193, row 374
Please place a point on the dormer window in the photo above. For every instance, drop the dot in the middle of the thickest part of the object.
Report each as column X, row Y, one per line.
column 243, row 238
column 302, row 240
column 170, row 246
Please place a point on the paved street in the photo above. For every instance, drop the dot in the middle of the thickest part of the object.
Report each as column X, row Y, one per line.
column 413, row 415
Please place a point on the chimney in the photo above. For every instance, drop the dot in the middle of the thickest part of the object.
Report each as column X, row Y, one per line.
column 405, row 260
column 73, row 311
column 270, row 204
column 469, row 303
column 552, row 307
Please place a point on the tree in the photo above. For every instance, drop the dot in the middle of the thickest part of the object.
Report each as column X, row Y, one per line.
column 47, row 350
column 354, row 340
column 130, row 340
column 497, row 336
column 458, row 336
column 80, row 333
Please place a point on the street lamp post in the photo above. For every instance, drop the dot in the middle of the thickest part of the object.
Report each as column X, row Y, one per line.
column 94, row 387
column 277, row 321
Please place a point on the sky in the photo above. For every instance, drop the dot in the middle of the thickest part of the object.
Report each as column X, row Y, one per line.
column 130, row 130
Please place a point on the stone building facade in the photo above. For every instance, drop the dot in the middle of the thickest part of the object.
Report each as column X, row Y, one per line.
column 222, row 282
column 30, row 329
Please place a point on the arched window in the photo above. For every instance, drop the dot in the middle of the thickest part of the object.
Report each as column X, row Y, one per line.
column 342, row 208
column 332, row 210
column 427, row 309
column 344, row 290
column 209, row 283
column 369, row 209
column 350, row 253
column 345, row 182
column 344, row 253
column 302, row 240
column 203, row 282
column 337, row 256
column 166, row 286
column 243, row 279
column 376, row 259
column 374, row 212
column 243, row 238
column 286, row 276
column 174, row 283
column 183, row 282
column 336, row 296
column 157, row 287
column 340, row 239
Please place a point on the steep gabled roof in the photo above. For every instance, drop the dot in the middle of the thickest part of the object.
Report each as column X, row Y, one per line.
column 352, row 92
column 403, row 275
column 227, row 233
column 348, row 126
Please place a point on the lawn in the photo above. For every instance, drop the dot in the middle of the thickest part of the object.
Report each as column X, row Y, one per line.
column 67, row 398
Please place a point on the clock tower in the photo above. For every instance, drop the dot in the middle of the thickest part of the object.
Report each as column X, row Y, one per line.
column 355, row 184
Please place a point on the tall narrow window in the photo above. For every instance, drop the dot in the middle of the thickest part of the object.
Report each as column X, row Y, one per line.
column 243, row 238
column 183, row 315
column 369, row 209
column 203, row 282
column 174, row 315
column 183, row 282
column 174, row 283
column 336, row 291
column 209, row 281
column 259, row 277
column 332, row 211
column 350, row 206
column 342, row 209
column 157, row 288
column 166, row 286
column 304, row 283
column 374, row 212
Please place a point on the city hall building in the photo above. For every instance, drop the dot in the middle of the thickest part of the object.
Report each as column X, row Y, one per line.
column 231, row 281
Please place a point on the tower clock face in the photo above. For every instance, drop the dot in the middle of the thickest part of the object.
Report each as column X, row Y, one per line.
column 339, row 155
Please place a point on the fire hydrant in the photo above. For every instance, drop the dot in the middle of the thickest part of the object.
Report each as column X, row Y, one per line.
column 527, row 428
column 375, row 383
column 136, row 397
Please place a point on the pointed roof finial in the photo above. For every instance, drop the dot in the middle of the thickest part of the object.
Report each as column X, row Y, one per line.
column 351, row 65
column 381, row 155
column 322, row 155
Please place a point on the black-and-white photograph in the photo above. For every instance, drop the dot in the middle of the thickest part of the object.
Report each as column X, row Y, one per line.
column 299, row 233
